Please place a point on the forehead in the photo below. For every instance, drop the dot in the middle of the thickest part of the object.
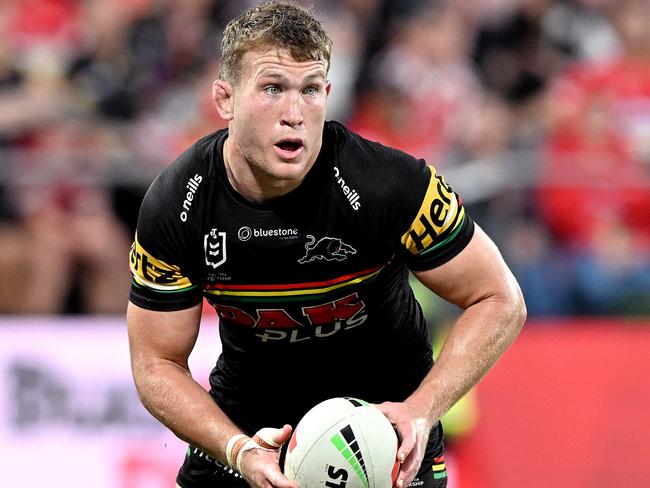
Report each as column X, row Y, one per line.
column 275, row 61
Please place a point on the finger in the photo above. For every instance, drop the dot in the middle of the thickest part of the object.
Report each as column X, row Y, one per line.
column 271, row 438
column 407, row 471
column 286, row 431
column 408, row 441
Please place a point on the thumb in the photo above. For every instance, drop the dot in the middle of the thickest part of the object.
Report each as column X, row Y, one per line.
column 271, row 438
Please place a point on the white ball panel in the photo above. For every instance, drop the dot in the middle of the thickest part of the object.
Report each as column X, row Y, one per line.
column 342, row 444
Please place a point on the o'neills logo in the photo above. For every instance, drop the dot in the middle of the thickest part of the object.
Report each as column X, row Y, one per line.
column 350, row 193
column 192, row 186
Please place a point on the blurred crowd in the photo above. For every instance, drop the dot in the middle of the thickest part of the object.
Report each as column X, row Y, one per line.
column 536, row 111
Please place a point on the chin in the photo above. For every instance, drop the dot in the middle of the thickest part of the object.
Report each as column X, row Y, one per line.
column 288, row 171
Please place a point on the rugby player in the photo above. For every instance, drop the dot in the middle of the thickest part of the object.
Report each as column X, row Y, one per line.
column 301, row 235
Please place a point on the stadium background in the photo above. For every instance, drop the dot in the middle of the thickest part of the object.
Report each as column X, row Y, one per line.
column 536, row 111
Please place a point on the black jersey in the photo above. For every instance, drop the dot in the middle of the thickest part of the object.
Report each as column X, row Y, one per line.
column 312, row 288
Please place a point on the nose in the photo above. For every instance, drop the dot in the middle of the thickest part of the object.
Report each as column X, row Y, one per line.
column 292, row 111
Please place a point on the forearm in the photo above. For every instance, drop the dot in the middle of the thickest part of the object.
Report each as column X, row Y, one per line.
column 170, row 394
column 479, row 337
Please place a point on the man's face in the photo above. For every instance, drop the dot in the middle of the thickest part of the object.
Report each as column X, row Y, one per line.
column 278, row 114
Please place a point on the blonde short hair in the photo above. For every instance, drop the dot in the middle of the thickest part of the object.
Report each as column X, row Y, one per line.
column 274, row 24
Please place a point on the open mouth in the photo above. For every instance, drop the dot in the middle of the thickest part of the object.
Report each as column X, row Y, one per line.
column 289, row 145
column 289, row 148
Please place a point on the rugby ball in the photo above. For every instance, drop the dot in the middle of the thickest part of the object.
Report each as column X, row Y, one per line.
column 342, row 443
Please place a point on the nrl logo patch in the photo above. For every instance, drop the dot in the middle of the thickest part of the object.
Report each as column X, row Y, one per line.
column 214, row 244
column 327, row 248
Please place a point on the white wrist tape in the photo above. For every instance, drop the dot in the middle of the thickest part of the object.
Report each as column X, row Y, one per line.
column 230, row 458
column 240, row 443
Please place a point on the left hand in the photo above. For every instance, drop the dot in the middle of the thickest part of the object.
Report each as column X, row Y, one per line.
column 413, row 426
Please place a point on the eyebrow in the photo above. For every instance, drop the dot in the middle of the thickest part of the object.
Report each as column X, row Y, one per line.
column 280, row 77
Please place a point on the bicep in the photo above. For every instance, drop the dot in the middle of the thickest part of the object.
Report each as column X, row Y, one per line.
column 156, row 337
column 477, row 273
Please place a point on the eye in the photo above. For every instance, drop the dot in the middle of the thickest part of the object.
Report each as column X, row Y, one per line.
column 311, row 90
column 272, row 89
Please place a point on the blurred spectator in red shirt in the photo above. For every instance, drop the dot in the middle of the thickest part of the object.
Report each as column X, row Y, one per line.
column 424, row 85
column 61, row 230
column 595, row 188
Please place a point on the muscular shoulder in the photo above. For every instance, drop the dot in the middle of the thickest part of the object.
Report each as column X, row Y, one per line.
column 170, row 209
column 406, row 198
column 165, row 275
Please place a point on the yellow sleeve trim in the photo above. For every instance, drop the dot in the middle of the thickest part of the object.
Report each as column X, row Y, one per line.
column 438, row 212
column 154, row 273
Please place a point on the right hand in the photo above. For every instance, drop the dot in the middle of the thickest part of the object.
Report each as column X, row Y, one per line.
column 261, row 467
column 413, row 427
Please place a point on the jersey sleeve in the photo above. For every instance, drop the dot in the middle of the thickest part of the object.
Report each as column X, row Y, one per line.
column 162, row 277
column 407, row 205
column 439, row 227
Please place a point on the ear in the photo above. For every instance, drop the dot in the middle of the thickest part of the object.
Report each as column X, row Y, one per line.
column 328, row 88
column 222, row 95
